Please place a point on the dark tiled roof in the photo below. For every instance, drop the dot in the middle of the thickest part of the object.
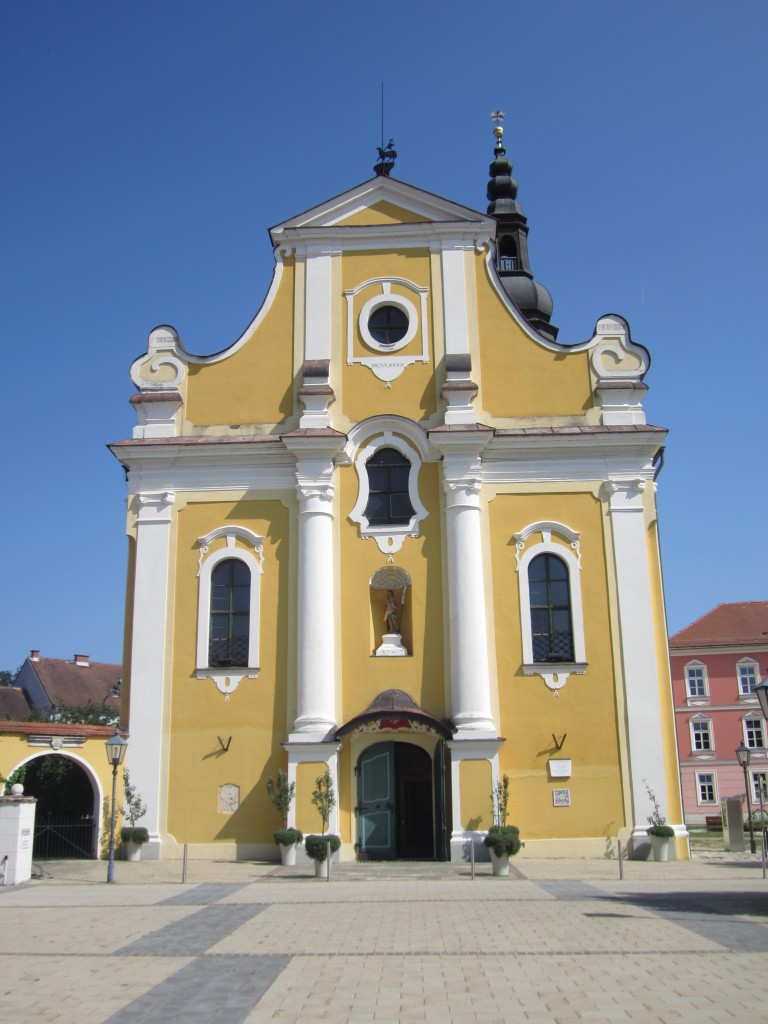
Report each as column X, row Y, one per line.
column 70, row 685
column 393, row 705
column 740, row 622
column 13, row 704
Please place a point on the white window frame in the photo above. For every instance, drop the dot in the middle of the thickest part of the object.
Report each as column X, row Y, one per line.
column 753, row 776
column 749, row 665
column 754, row 720
column 388, row 536
column 696, row 666
column 563, row 542
column 237, row 540
column 388, row 299
column 701, row 721
column 699, row 800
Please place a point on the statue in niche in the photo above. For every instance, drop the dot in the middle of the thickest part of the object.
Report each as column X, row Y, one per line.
column 391, row 616
column 389, row 586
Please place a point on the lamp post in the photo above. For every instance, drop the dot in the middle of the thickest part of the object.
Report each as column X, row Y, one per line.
column 743, row 756
column 116, row 747
column 761, row 692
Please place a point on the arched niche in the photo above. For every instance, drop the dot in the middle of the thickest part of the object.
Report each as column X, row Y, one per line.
column 391, row 615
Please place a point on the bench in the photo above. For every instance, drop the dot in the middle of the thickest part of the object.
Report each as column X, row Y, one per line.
column 714, row 823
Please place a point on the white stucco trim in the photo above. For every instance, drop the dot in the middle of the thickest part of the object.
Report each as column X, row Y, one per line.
column 300, row 752
column 638, row 644
column 388, row 537
column 387, row 366
column 554, row 675
column 166, row 339
column 455, row 301
column 150, row 641
column 227, row 679
column 317, row 304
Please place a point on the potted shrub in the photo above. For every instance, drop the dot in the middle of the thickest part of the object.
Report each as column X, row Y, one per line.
column 317, row 847
column 281, row 794
column 132, row 837
column 502, row 840
column 662, row 835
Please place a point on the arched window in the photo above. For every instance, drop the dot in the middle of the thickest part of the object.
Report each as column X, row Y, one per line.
column 230, row 614
column 388, row 498
column 550, row 597
column 508, row 256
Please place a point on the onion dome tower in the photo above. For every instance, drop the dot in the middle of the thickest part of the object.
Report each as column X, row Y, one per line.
column 532, row 299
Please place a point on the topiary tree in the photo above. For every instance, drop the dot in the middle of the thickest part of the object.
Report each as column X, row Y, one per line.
column 323, row 797
column 281, row 794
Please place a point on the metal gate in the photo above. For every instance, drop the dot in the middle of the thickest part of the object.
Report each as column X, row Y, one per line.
column 60, row 836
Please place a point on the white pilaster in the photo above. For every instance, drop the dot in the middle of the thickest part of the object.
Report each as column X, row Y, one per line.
column 470, row 675
column 316, row 592
column 455, row 302
column 147, row 727
column 317, row 298
column 323, row 753
column 639, row 651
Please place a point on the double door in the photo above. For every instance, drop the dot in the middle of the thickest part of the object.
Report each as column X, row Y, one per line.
column 398, row 803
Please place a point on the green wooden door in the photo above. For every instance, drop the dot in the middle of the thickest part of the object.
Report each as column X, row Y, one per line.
column 376, row 830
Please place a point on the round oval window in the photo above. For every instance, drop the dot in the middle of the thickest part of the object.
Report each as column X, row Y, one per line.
column 388, row 324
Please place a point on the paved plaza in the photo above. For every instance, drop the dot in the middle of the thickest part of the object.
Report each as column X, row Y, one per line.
column 244, row 943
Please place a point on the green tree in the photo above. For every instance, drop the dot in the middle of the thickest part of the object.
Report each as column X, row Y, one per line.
column 324, row 797
column 134, row 807
column 89, row 714
column 281, row 794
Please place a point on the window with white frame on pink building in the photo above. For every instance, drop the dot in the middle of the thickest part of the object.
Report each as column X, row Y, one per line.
column 701, row 735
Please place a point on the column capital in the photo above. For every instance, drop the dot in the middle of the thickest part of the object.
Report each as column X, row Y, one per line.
column 625, row 495
column 154, row 507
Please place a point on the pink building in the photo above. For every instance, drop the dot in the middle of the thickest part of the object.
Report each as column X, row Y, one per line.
column 716, row 663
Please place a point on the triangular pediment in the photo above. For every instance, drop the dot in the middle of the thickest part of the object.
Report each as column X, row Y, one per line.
column 382, row 201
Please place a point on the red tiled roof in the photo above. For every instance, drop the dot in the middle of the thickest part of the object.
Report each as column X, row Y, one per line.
column 13, row 704
column 70, row 685
column 56, row 729
column 734, row 624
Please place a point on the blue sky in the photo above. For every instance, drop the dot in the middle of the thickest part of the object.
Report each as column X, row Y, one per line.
column 148, row 148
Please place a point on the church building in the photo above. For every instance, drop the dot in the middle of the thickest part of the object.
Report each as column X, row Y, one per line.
column 400, row 532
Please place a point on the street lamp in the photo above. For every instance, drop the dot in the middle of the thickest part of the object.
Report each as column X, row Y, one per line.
column 116, row 747
column 761, row 692
column 743, row 756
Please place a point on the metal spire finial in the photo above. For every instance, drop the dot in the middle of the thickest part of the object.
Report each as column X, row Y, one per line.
column 498, row 116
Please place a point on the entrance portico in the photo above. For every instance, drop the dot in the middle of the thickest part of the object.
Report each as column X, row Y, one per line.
column 399, row 779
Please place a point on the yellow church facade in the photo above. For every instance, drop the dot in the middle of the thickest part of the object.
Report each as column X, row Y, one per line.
column 399, row 532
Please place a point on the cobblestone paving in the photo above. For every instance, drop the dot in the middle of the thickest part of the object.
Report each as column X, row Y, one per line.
column 560, row 942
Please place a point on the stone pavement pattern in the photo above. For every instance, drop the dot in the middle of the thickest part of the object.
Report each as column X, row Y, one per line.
column 557, row 942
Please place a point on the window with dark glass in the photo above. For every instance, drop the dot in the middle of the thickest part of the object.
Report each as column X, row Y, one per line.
column 388, row 324
column 388, row 500
column 550, row 596
column 230, row 614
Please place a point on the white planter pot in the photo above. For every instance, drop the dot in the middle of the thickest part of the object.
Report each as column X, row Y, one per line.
column 321, row 868
column 500, row 864
column 661, row 847
column 132, row 851
column 288, row 854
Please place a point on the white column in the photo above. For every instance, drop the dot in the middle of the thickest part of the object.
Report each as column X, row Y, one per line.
column 316, row 592
column 148, row 733
column 639, row 646
column 470, row 675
